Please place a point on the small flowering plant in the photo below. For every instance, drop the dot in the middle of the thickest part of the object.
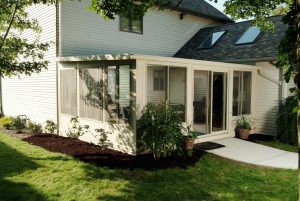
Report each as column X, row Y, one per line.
column 243, row 123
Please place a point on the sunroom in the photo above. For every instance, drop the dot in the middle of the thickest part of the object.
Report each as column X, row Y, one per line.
column 110, row 92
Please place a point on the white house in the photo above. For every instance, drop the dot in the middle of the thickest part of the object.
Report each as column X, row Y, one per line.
column 107, row 71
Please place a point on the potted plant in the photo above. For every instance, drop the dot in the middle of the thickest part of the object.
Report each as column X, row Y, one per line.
column 189, row 138
column 243, row 127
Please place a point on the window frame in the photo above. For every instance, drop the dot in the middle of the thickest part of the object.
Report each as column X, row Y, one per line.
column 130, row 15
column 241, row 93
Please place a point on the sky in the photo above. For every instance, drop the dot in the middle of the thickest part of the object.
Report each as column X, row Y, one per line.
column 218, row 5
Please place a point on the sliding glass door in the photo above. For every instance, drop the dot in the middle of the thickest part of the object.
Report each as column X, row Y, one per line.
column 210, row 101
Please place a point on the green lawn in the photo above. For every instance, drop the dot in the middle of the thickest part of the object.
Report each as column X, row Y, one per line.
column 32, row 173
column 279, row 145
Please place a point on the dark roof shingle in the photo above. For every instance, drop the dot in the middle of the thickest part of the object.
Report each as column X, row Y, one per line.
column 225, row 50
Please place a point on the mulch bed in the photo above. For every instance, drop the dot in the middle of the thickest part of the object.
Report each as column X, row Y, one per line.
column 99, row 156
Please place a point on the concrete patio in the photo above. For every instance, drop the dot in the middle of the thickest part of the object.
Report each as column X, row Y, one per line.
column 252, row 153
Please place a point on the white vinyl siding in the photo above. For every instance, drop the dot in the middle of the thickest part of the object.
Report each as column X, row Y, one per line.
column 267, row 100
column 35, row 96
column 86, row 33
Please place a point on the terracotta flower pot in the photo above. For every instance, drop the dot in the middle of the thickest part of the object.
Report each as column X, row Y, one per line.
column 244, row 133
column 189, row 143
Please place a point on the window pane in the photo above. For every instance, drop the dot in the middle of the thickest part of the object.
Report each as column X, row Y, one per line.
column 246, row 93
column 112, row 93
column 68, row 91
column 159, row 79
column 219, row 101
column 236, row 97
column 211, row 40
column 177, row 92
column 156, row 84
column 201, row 101
column 125, row 22
column 249, row 36
column 90, row 93
column 137, row 22
column 124, row 102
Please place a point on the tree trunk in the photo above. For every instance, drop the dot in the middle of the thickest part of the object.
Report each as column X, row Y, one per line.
column 298, row 84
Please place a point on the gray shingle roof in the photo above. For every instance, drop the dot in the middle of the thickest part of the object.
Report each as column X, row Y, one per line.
column 199, row 8
column 264, row 48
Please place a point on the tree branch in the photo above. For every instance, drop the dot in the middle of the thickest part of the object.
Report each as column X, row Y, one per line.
column 10, row 24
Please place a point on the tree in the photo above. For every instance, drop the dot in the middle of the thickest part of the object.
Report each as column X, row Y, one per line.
column 17, row 54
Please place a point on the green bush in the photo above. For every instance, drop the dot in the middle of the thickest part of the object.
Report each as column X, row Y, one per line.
column 6, row 122
column 160, row 130
column 287, row 121
column 34, row 128
column 50, row 126
column 18, row 123
column 102, row 135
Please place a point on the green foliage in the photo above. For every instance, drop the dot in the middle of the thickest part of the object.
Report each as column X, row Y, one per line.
column 243, row 123
column 287, row 122
column 18, row 123
column 6, row 122
column 34, row 128
column 76, row 129
column 50, row 126
column 17, row 54
column 287, row 51
column 103, row 138
column 160, row 130
column 190, row 131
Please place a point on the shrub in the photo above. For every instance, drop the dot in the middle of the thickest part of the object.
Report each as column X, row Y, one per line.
column 286, row 122
column 76, row 130
column 34, row 128
column 18, row 123
column 103, row 138
column 50, row 126
column 160, row 130
column 6, row 122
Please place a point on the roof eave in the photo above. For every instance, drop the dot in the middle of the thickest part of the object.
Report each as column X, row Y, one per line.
column 187, row 11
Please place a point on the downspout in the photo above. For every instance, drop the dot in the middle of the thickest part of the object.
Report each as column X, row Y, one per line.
column 259, row 71
column 57, row 41
column 280, row 85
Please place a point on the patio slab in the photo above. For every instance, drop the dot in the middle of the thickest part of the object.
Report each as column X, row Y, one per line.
column 253, row 153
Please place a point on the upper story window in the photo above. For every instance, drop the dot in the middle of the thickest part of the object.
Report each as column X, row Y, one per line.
column 242, row 82
column 249, row 36
column 211, row 40
column 131, row 21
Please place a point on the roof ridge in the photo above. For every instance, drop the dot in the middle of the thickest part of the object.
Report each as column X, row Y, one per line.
column 232, row 24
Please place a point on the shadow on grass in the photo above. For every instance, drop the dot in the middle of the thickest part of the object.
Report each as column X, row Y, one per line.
column 14, row 163
column 164, row 179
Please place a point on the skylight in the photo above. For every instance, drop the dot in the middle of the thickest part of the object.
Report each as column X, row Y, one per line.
column 211, row 40
column 249, row 36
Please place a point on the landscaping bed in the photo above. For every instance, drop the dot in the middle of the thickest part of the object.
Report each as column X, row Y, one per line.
column 99, row 156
